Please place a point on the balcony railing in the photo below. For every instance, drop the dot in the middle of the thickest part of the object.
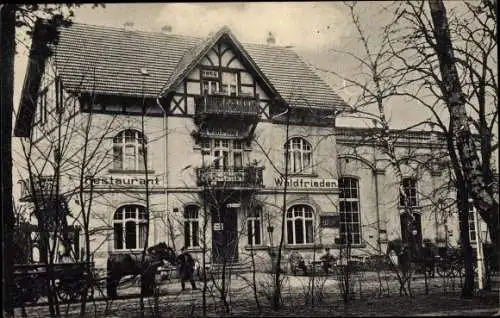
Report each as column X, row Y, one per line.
column 224, row 105
column 230, row 177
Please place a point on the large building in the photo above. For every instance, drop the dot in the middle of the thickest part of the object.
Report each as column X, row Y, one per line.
column 179, row 130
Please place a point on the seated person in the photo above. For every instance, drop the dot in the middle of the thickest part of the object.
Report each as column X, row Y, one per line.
column 328, row 260
column 297, row 261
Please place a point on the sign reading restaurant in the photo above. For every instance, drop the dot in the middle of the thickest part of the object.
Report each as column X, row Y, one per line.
column 307, row 183
column 122, row 180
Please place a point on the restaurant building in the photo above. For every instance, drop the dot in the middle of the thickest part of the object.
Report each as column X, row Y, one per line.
column 201, row 137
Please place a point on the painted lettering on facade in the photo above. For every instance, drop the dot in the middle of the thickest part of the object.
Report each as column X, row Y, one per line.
column 122, row 181
column 307, row 183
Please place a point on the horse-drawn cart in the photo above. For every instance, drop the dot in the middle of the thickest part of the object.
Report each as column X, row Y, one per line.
column 450, row 263
column 69, row 281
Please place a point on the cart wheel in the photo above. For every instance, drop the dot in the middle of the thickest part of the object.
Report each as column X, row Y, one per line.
column 443, row 270
column 67, row 291
column 459, row 270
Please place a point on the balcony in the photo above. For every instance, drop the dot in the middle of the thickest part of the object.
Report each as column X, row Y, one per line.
column 230, row 177
column 237, row 107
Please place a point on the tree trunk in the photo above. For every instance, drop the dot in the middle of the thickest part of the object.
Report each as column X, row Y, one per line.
column 463, row 219
column 8, row 32
column 482, row 193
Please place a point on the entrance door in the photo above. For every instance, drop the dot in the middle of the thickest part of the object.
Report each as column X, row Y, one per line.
column 408, row 225
column 225, row 235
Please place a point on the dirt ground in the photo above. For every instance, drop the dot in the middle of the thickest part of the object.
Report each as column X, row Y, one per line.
column 443, row 300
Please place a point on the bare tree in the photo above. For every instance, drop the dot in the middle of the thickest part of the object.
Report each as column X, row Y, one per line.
column 376, row 86
column 22, row 17
column 450, row 62
column 88, row 161
column 65, row 145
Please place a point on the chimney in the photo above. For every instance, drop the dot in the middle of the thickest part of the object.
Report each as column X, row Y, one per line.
column 127, row 26
column 270, row 39
column 166, row 29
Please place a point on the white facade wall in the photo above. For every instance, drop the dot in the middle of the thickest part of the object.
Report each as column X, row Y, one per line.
column 173, row 156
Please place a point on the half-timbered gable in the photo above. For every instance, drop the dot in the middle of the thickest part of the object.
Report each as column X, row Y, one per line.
column 220, row 71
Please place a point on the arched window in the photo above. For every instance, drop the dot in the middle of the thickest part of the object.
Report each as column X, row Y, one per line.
column 191, row 226
column 350, row 224
column 129, row 151
column 299, row 225
column 254, row 226
column 129, row 223
column 299, row 155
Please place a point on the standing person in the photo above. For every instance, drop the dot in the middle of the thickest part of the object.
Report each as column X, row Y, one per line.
column 186, row 268
column 64, row 253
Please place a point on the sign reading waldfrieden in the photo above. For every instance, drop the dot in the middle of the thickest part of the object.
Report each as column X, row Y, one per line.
column 307, row 183
column 123, row 180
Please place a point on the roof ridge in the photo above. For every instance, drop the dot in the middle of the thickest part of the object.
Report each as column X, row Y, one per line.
column 119, row 29
column 286, row 47
column 223, row 29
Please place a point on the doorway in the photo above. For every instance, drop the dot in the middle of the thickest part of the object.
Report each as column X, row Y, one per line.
column 408, row 225
column 224, row 235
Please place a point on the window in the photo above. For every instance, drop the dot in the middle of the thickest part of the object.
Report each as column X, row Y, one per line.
column 254, row 226
column 350, row 224
column 129, row 151
column 41, row 114
column 237, row 154
column 224, row 153
column 299, row 155
column 191, row 227
column 213, row 82
column 410, row 192
column 209, row 81
column 130, row 224
column 220, row 151
column 230, row 83
column 299, row 225
column 210, row 86
column 472, row 224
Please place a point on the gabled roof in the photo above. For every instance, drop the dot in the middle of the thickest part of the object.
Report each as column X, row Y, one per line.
column 116, row 55
column 194, row 56
column 106, row 60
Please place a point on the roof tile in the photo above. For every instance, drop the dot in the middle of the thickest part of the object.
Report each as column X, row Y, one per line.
column 107, row 60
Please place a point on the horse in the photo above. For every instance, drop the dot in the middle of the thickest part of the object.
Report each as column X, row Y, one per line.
column 429, row 258
column 121, row 265
column 424, row 256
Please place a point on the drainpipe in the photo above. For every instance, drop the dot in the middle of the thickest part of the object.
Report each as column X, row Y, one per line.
column 433, row 181
column 165, row 164
column 377, row 210
column 377, row 205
